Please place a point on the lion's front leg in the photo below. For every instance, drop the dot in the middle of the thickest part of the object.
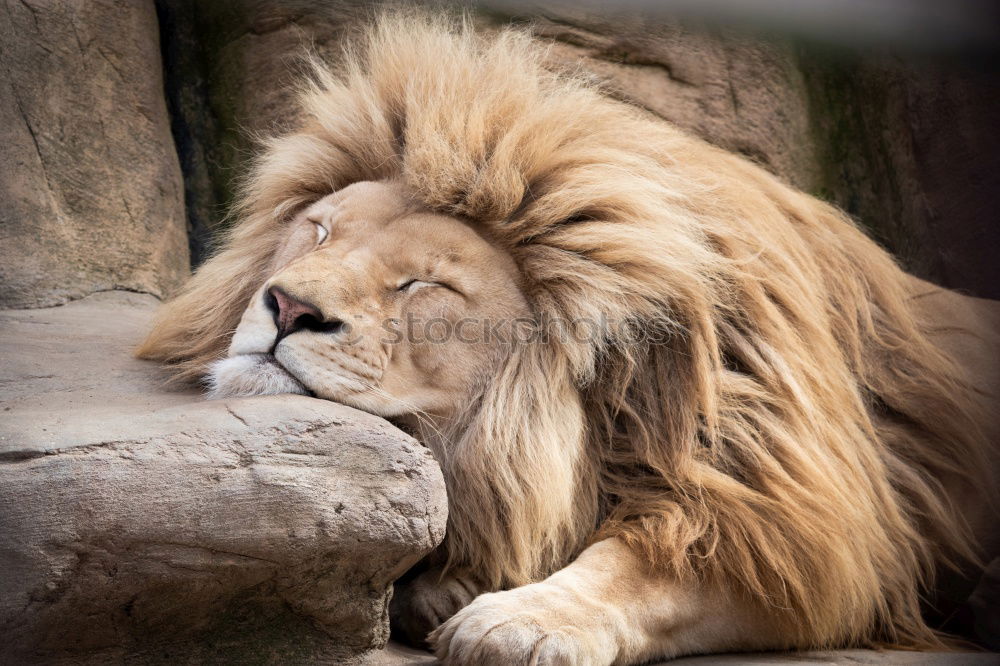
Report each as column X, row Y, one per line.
column 604, row 608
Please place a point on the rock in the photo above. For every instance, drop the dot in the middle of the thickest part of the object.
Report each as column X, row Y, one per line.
column 908, row 148
column 91, row 192
column 152, row 525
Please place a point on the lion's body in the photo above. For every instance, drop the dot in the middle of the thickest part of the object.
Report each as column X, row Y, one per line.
column 769, row 412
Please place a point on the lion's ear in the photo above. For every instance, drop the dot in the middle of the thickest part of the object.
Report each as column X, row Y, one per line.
column 521, row 473
column 193, row 329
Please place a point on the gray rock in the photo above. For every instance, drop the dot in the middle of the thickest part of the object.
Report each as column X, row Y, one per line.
column 147, row 524
column 90, row 194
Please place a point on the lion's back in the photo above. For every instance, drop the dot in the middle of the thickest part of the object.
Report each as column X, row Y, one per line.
column 968, row 330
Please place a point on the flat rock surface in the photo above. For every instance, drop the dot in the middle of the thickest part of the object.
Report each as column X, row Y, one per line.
column 153, row 525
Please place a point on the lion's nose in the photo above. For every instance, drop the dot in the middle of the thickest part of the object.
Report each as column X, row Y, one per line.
column 292, row 314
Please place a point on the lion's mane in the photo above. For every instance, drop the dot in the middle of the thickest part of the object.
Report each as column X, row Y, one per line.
column 764, row 408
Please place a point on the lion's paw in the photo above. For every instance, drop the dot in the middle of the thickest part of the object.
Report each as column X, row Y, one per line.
column 419, row 606
column 535, row 624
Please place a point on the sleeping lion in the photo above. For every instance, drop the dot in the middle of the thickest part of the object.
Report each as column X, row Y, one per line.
column 680, row 407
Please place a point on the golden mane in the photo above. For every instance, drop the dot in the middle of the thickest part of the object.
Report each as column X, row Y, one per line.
column 764, row 406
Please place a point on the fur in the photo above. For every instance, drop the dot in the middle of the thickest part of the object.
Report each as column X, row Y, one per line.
column 765, row 407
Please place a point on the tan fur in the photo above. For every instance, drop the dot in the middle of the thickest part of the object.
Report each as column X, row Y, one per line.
column 789, row 434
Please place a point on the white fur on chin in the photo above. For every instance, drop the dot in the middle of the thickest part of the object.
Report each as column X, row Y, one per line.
column 250, row 374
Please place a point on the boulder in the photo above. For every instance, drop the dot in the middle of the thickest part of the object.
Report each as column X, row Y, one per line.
column 146, row 524
column 91, row 196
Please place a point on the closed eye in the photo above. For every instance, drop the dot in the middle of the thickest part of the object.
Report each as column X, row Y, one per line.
column 414, row 284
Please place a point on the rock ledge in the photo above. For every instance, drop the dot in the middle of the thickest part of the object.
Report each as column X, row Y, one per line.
column 147, row 524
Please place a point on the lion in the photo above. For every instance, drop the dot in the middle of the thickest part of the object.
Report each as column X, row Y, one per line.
column 707, row 413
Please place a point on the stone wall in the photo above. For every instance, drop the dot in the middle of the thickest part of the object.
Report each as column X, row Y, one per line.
column 91, row 191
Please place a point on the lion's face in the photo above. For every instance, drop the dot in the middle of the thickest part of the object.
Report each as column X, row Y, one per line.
column 376, row 303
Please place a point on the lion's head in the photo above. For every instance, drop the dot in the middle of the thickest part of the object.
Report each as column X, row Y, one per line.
column 736, row 415
column 376, row 302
